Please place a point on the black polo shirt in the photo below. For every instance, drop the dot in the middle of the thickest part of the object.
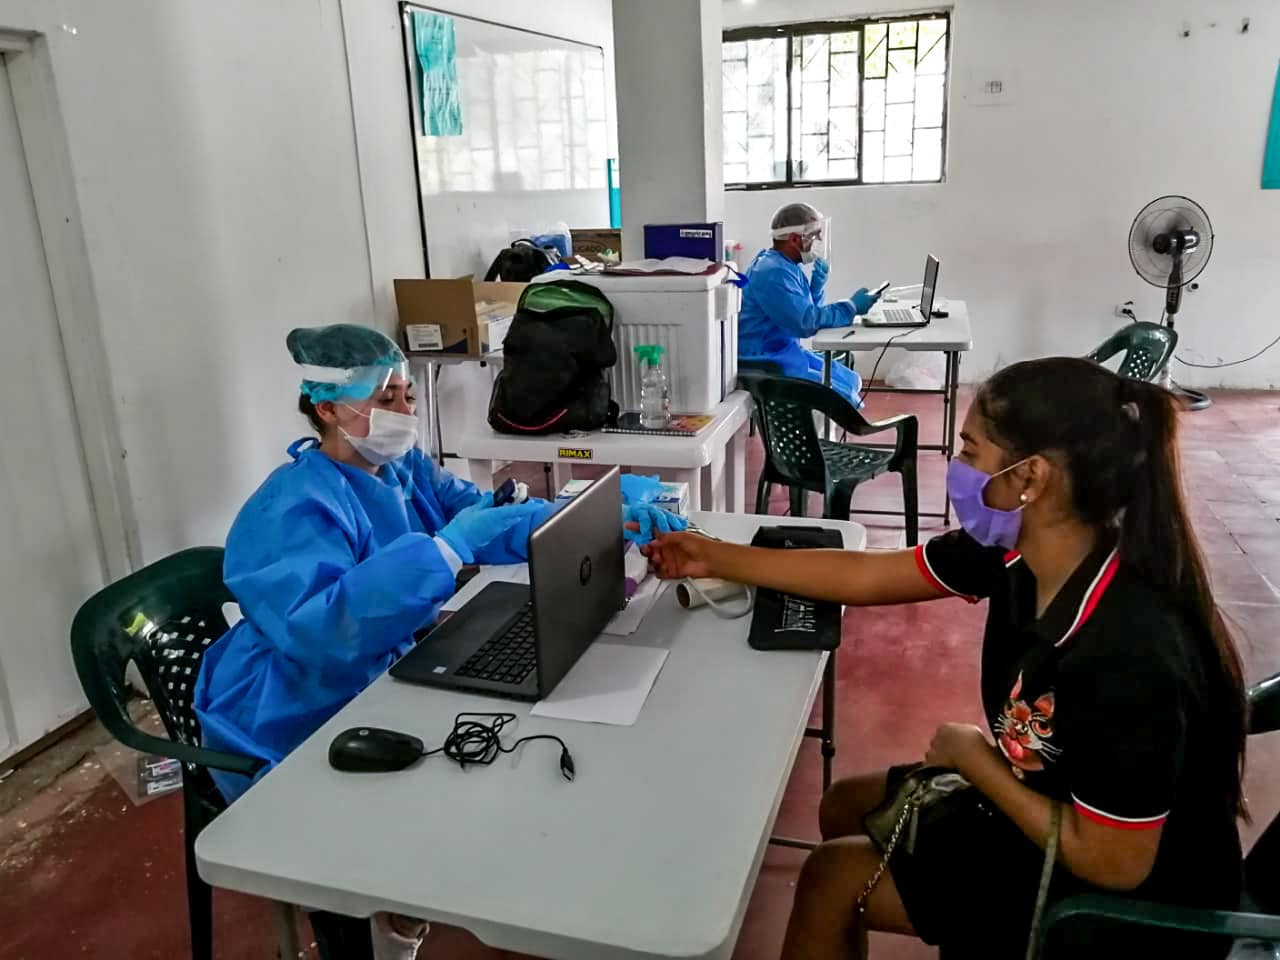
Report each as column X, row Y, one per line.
column 1101, row 703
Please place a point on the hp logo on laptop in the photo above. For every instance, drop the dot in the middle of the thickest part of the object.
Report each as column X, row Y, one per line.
column 584, row 571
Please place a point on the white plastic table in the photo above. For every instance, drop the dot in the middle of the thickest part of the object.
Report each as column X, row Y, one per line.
column 950, row 335
column 713, row 462
column 651, row 852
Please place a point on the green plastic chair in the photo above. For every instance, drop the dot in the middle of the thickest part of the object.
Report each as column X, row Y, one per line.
column 1147, row 348
column 797, row 458
column 162, row 619
column 1261, row 873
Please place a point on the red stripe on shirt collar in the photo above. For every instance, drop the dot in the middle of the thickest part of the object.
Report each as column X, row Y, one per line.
column 1093, row 595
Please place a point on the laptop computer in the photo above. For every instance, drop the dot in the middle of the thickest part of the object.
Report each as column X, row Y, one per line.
column 888, row 315
column 517, row 641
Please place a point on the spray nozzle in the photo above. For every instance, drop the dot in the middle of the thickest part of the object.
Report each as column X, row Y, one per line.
column 650, row 354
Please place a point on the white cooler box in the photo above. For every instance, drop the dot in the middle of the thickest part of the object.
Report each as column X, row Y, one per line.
column 694, row 319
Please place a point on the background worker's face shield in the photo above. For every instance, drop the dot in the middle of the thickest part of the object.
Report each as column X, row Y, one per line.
column 815, row 238
column 350, row 384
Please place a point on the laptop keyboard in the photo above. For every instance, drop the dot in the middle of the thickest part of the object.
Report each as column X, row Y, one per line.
column 898, row 315
column 507, row 658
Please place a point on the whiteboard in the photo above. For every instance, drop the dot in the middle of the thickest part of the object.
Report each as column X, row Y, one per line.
column 531, row 150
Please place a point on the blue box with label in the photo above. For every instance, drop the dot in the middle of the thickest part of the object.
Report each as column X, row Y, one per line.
column 702, row 241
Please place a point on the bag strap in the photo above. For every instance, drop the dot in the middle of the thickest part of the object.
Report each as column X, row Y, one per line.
column 1046, row 871
column 908, row 810
column 1046, row 874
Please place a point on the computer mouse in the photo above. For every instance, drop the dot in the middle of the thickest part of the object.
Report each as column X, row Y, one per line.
column 373, row 750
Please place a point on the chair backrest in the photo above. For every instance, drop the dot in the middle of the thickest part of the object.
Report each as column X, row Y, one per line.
column 784, row 412
column 1147, row 346
column 161, row 618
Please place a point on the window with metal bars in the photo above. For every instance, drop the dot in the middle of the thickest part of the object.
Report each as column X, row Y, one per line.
column 836, row 102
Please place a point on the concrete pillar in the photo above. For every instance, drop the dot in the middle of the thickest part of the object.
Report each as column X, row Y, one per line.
column 667, row 65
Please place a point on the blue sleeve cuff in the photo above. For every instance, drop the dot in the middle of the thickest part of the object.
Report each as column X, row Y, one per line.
column 448, row 555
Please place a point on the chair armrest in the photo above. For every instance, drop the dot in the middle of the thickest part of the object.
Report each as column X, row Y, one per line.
column 906, row 425
column 1254, row 926
column 123, row 730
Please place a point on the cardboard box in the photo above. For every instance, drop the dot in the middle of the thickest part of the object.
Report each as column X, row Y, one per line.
column 463, row 317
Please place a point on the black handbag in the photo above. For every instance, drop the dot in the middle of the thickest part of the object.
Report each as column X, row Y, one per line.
column 929, row 797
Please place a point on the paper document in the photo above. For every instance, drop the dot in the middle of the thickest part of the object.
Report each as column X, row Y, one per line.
column 678, row 266
column 609, row 684
column 627, row 621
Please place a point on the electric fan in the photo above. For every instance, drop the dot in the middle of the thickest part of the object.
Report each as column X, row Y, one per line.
column 1170, row 243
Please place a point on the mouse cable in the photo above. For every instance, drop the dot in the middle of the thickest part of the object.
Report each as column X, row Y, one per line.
column 475, row 740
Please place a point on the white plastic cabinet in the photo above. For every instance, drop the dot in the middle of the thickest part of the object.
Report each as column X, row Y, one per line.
column 695, row 320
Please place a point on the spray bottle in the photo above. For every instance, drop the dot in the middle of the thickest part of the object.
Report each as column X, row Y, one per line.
column 655, row 393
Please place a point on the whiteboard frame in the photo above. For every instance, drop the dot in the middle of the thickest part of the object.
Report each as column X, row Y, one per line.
column 406, row 36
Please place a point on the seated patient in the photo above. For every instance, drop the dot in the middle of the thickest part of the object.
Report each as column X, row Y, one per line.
column 1111, row 688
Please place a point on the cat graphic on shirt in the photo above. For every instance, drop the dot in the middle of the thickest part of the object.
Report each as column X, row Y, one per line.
column 1024, row 731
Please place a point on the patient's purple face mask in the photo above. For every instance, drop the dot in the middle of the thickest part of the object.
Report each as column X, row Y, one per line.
column 987, row 525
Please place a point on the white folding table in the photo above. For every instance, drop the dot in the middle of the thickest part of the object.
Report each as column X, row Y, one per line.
column 713, row 462
column 651, row 852
column 950, row 335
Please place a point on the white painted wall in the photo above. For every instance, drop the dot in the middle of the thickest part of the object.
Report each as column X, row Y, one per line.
column 1106, row 107
column 213, row 154
column 229, row 192
column 668, row 114
column 386, row 152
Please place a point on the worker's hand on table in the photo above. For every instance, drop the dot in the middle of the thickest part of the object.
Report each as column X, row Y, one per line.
column 641, row 522
column 863, row 300
column 673, row 556
column 820, row 270
column 481, row 523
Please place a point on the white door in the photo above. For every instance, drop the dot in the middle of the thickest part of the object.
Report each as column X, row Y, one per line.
column 50, row 556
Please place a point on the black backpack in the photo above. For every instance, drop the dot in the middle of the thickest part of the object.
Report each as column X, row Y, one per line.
column 554, row 358
column 520, row 262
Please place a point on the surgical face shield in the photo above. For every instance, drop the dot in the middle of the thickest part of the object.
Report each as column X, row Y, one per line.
column 349, row 384
column 815, row 237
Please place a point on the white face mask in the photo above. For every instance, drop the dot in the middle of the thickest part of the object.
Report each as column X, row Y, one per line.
column 391, row 435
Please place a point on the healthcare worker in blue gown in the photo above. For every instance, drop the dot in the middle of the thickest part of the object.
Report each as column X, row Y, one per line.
column 781, row 305
column 346, row 551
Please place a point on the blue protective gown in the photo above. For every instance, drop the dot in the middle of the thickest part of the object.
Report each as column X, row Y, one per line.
column 781, row 306
column 334, row 570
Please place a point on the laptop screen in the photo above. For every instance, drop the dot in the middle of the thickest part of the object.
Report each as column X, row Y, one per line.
column 929, row 287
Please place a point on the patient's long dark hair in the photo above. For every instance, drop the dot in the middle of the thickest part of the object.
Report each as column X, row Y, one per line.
column 1118, row 439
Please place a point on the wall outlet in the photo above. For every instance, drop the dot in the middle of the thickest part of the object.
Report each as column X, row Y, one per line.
column 1125, row 310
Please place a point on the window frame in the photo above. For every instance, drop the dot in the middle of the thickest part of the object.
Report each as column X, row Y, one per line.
column 790, row 32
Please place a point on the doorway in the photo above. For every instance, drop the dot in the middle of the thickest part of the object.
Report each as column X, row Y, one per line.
column 51, row 548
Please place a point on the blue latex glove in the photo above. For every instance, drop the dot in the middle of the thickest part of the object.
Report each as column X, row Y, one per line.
column 652, row 521
column 819, row 279
column 863, row 300
column 638, row 489
column 481, row 523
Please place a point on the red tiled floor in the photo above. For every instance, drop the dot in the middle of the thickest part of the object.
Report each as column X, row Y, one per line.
column 107, row 880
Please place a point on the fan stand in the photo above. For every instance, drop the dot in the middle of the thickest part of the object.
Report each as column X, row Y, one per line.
column 1191, row 399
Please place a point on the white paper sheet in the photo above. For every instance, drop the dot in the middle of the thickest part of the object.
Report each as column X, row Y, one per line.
column 609, row 684
column 627, row 621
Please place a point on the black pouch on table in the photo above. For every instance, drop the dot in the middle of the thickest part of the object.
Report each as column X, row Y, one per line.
column 782, row 621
